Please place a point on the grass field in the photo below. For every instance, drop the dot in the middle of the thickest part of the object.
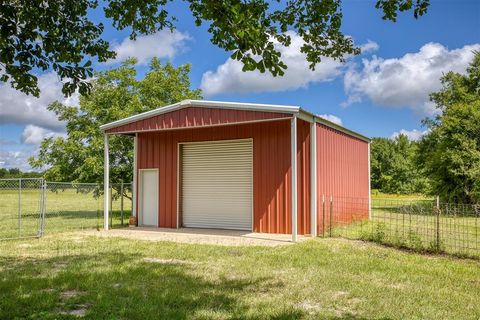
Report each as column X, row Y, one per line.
column 63, row 276
column 77, row 208
column 66, row 209
column 413, row 224
column 405, row 197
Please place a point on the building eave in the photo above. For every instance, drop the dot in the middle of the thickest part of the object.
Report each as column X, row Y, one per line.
column 206, row 104
column 293, row 110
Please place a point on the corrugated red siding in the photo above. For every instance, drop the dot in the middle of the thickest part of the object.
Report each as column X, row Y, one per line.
column 303, row 176
column 342, row 173
column 271, row 170
column 196, row 117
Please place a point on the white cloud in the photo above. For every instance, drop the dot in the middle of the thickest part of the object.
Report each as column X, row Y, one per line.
column 413, row 135
column 332, row 118
column 162, row 44
column 370, row 46
column 19, row 108
column 15, row 159
column 406, row 81
column 229, row 76
column 34, row 135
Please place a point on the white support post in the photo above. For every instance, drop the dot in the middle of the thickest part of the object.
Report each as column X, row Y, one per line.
column 313, row 178
column 134, row 182
column 293, row 136
column 106, row 183
column 369, row 187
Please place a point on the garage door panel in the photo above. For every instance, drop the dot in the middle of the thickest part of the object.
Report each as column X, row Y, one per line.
column 217, row 185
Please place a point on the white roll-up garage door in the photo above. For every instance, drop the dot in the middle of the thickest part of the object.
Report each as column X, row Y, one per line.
column 217, row 184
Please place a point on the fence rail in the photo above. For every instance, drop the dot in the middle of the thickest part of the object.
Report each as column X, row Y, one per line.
column 32, row 207
column 422, row 225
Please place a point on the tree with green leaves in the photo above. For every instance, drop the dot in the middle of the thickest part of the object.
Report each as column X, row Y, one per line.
column 115, row 94
column 450, row 152
column 393, row 166
column 38, row 35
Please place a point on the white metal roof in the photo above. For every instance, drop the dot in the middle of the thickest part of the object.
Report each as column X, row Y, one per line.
column 237, row 106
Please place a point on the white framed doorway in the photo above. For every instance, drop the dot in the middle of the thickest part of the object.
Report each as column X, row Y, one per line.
column 148, row 198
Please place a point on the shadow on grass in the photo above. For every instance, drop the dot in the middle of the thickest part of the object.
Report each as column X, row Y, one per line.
column 116, row 285
column 84, row 214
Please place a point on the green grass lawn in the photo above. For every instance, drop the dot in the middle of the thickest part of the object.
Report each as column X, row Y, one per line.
column 413, row 224
column 66, row 209
column 407, row 197
column 69, row 209
column 64, row 275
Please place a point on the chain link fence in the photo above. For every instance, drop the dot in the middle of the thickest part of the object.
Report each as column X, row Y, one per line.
column 21, row 208
column 420, row 225
column 32, row 207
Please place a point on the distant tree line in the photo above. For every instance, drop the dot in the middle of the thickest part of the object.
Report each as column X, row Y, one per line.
column 394, row 167
column 446, row 161
column 17, row 173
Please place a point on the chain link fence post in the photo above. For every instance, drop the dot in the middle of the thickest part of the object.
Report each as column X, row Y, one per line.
column 437, row 223
column 111, row 206
column 19, row 207
column 121, row 203
column 43, row 206
column 98, row 205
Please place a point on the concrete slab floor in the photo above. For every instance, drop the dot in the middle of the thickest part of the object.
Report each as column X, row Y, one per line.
column 201, row 236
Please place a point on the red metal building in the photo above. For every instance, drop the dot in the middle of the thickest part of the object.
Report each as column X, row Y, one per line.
column 257, row 167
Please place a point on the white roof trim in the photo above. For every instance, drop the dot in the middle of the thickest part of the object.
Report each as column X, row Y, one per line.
column 305, row 115
column 202, row 103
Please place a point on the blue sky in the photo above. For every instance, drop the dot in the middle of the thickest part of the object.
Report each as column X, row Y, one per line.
column 381, row 92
